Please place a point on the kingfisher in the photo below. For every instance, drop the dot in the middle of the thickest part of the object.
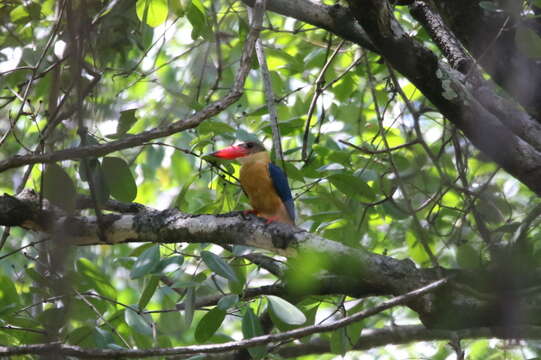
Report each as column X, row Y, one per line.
column 265, row 183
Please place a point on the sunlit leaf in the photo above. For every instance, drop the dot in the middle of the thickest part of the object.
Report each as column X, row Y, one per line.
column 196, row 14
column 125, row 122
column 9, row 299
column 152, row 12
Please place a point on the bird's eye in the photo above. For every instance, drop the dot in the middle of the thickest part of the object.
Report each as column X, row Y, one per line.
column 249, row 145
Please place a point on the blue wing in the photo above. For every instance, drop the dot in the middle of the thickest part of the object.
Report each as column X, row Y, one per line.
column 279, row 180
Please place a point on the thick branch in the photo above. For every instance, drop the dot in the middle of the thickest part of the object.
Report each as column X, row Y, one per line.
column 447, row 42
column 490, row 38
column 518, row 121
column 348, row 271
column 373, row 338
column 451, row 92
column 336, row 19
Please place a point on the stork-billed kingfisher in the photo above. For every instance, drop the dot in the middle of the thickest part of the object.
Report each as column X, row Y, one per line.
column 264, row 183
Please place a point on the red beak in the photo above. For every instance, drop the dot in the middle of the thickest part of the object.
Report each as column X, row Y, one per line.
column 230, row 153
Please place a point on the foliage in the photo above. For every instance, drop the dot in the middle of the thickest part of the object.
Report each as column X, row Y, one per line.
column 385, row 172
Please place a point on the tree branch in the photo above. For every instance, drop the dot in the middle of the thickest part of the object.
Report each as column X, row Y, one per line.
column 452, row 93
column 334, row 18
column 349, row 271
column 372, row 338
column 507, row 112
column 70, row 350
column 490, row 38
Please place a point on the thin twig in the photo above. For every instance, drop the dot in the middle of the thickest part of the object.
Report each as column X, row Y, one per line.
column 383, row 151
column 270, row 99
column 319, row 86
column 422, row 235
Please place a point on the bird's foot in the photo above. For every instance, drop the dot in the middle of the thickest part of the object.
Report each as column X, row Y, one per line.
column 245, row 213
column 271, row 219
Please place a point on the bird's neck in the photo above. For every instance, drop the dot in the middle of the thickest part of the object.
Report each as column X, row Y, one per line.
column 262, row 156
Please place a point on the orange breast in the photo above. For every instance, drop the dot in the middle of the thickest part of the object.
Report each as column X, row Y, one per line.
column 256, row 182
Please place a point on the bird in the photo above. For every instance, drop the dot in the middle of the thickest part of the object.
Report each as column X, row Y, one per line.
column 264, row 183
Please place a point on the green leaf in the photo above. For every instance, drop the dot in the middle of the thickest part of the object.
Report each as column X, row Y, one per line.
column 189, row 306
column 101, row 188
column 81, row 336
column 354, row 330
column 146, row 263
column 227, row 301
column 18, row 13
column 391, row 209
column 125, row 122
column 251, row 327
column 91, row 276
column 467, row 257
column 136, row 252
column 119, row 179
column 528, row 42
column 103, row 338
column 149, row 290
column 81, row 310
column 352, row 185
column 82, row 169
column 9, row 299
column 209, row 324
column 152, row 12
column 490, row 6
column 196, row 15
column 58, row 187
column 177, row 260
column 239, row 267
column 489, row 209
column 219, row 266
column 416, row 249
column 139, row 322
column 180, row 202
column 216, row 127
column 286, row 311
column 339, row 342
